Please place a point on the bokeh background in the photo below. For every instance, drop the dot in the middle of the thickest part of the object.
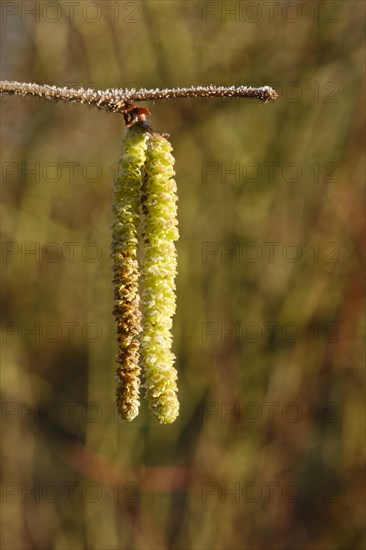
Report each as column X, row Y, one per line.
column 268, row 450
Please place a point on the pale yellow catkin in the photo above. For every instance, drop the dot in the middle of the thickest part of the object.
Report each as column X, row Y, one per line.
column 159, row 267
column 126, row 211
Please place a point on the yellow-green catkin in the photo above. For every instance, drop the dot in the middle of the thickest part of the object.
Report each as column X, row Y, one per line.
column 127, row 211
column 159, row 267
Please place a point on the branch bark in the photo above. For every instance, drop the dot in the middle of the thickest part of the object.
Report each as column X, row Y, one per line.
column 116, row 100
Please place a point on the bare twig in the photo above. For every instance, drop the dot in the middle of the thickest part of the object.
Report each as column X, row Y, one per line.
column 116, row 100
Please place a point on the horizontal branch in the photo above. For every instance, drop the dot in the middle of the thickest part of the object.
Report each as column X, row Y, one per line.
column 116, row 100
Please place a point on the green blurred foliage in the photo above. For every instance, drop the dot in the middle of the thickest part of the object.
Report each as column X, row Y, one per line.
column 291, row 171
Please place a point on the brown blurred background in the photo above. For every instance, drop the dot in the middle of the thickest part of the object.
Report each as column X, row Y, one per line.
column 267, row 452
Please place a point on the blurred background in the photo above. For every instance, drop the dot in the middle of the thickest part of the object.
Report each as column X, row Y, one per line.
column 267, row 452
